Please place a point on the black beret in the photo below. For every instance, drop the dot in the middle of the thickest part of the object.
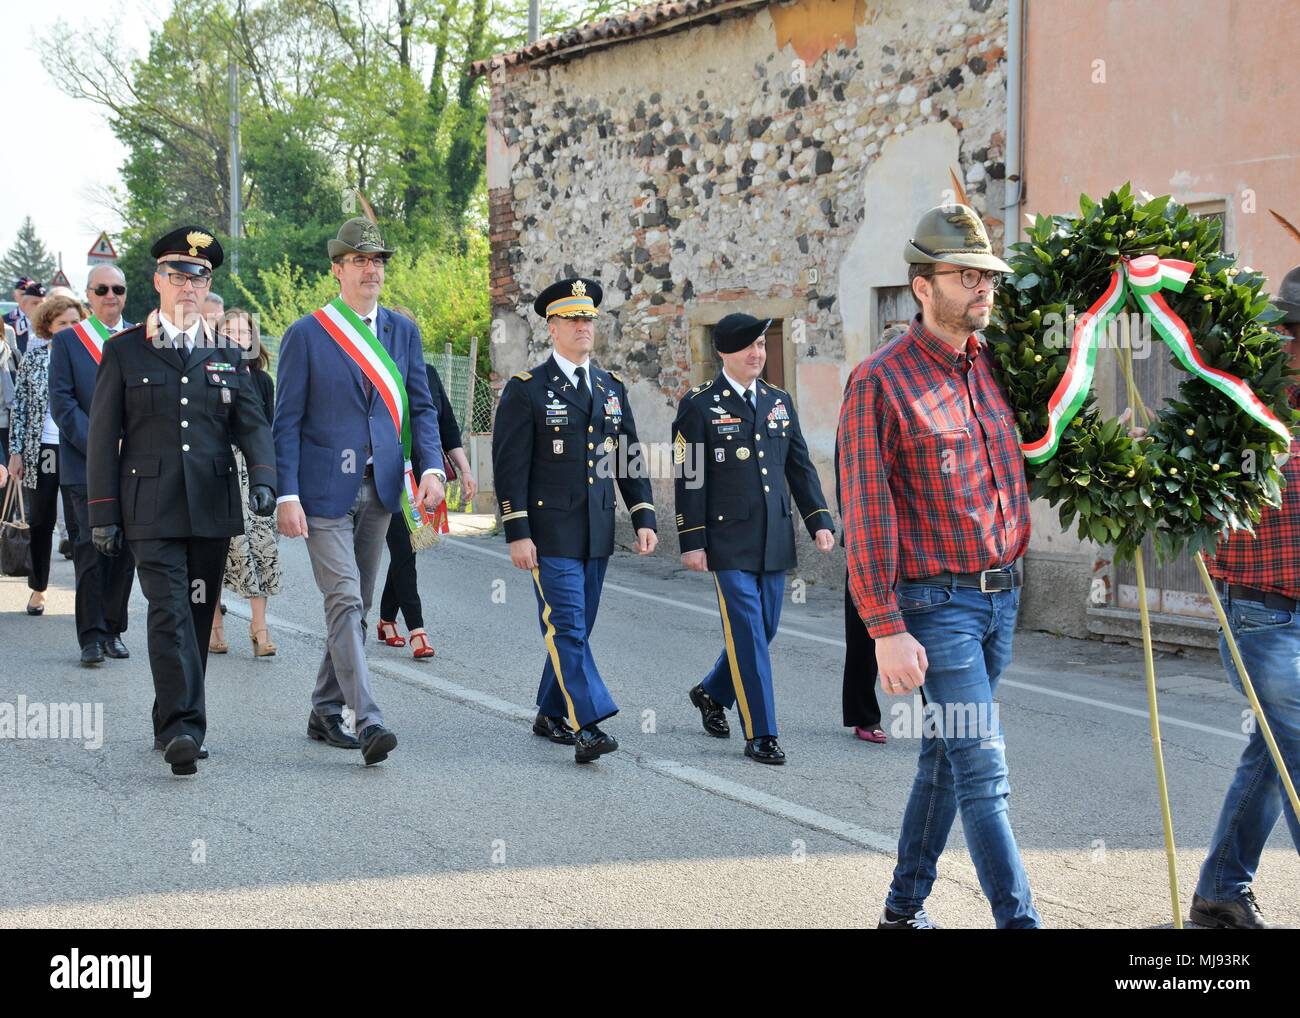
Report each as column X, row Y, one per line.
column 735, row 332
column 33, row 289
column 576, row 297
column 189, row 245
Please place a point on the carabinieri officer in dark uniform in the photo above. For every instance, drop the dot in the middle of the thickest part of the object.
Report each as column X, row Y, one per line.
column 176, row 402
column 561, row 432
column 735, row 521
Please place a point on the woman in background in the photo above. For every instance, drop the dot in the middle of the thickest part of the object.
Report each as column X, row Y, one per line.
column 253, row 561
column 401, row 588
column 34, row 439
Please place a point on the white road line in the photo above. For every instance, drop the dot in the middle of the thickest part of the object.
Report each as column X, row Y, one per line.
column 800, row 634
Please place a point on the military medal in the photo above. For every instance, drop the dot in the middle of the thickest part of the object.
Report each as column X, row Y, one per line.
column 742, row 453
column 609, row 445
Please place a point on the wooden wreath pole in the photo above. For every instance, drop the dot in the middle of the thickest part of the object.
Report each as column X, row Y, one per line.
column 1246, row 685
column 1153, row 711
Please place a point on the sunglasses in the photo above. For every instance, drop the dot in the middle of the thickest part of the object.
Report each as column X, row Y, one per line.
column 102, row 289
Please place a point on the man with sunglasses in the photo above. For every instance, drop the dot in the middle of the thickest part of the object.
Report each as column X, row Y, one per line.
column 167, row 407
column 936, row 515
column 351, row 383
column 103, row 584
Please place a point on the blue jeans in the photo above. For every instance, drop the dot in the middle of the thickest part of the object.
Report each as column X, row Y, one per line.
column 967, row 640
column 1269, row 642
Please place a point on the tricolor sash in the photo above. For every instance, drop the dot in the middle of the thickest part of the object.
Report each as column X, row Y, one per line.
column 92, row 333
column 356, row 339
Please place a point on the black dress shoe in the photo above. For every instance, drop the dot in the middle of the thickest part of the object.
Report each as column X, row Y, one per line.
column 181, row 753
column 330, row 731
column 158, row 748
column 555, row 729
column 92, row 654
column 116, row 649
column 711, row 712
column 35, row 609
column 765, row 750
column 1241, row 914
column 376, row 743
column 590, row 743
column 65, row 548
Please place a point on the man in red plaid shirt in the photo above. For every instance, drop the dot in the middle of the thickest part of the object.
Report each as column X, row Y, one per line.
column 1259, row 585
column 936, row 515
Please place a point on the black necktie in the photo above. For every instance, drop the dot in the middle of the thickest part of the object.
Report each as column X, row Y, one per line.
column 749, row 398
column 584, row 393
column 367, row 384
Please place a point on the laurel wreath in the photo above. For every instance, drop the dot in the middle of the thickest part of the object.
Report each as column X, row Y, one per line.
column 1204, row 464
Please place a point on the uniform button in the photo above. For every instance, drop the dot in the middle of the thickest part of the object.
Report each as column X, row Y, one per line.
column 185, row 448
column 590, row 428
column 719, row 519
column 133, row 470
column 758, row 438
column 766, row 488
column 760, row 453
column 145, row 380
column 539, row 501
column 765, row 470
column 185, row 424
column 591, row 480
column 184, row 378
column 591, row 445
column 590, row 463
column 185, row 401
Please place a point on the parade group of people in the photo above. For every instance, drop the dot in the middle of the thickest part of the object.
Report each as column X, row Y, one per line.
column 175, row 450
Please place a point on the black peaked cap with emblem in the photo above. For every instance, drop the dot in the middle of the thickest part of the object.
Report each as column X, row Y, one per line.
column 577, row 297
column 189, row 248
column 737, row 331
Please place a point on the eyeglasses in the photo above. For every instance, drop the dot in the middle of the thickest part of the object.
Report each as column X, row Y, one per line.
column 361, row 261
column 970, row 278
column 179, row 279
column 102, row 289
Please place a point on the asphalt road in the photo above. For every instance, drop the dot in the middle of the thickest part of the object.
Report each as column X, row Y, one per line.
column 474, row 821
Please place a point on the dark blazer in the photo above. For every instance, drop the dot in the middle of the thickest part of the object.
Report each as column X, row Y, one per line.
column 555, row 465
column 176, row 417
column 325, row 426
column 448, row 429
column 734, row 503
column 72, row 385
column 265, row 386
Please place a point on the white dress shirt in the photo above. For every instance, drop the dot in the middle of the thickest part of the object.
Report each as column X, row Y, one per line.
column 742, row 389
column 570, row 369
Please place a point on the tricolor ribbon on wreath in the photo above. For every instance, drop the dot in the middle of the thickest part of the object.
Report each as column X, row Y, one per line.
column 359, row 342
column 1145, row 276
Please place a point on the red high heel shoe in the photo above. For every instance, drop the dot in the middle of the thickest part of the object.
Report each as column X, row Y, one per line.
column 420, row 647
column 390, row 635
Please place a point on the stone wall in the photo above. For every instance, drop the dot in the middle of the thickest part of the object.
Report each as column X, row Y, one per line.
column 773, row 167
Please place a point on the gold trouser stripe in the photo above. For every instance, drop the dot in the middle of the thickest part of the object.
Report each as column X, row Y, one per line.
column 741, row 703
column 553, row 650
column 642, row 505
column 816, row 511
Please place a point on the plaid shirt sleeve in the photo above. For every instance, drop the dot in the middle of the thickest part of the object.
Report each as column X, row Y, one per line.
column 869, row 441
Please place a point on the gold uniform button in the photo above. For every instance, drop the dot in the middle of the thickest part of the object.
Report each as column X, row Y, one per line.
column 145, row 380
column 185, row 448
column 590, row 427
column 590, row 463
column 184, row 378
column 539, row 501
column 133, row 470
column 185, row 424
column 591, row 445
column 591, row 480
column 185, row 401
column 758, row 438
column 766, row 488
column 719, row 519
column 765, row 470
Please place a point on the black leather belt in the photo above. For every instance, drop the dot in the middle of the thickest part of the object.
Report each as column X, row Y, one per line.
column 987, row 582
column 1268, row 598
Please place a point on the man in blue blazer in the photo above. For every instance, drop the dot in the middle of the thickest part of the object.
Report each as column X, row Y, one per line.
column 348, row 377
column 103, row 583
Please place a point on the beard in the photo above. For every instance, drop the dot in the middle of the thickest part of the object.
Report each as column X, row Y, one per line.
column 956, row 314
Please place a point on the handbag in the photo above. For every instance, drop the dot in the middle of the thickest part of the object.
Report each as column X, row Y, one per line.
column 15, row 534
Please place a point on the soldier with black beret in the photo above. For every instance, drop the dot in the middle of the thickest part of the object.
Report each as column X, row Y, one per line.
column 736, row 443
column 168, row 405
column 562, row 433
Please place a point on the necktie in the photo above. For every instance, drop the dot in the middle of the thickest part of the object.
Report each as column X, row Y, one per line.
column 749, row 398
column 368, row 385
column 584, row 393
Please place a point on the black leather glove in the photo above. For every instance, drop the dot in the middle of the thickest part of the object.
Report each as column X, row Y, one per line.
column 107, row 540
column 261, row 500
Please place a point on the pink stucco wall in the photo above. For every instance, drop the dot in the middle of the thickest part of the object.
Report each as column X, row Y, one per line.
column 1201, row 100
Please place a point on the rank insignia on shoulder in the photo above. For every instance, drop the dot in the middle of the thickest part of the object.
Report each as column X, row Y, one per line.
column 523, row 376
column 617, row 377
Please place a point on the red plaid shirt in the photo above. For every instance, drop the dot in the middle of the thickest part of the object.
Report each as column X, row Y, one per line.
column 1269, row 559
column 930, row 483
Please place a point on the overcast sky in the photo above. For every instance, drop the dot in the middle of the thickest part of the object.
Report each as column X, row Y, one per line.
column 57, row 150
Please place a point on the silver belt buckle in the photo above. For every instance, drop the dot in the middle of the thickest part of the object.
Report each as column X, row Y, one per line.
column 984, row 588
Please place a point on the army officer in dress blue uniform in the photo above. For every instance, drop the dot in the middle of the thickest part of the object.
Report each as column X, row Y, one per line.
column 561, row 431
column 168, row 405
column 735, row 520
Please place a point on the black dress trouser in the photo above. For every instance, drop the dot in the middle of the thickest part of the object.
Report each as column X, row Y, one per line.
column 181, row 578
column 103, row 583
column 861, row 709
column 401, row 587
column 43, row 514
